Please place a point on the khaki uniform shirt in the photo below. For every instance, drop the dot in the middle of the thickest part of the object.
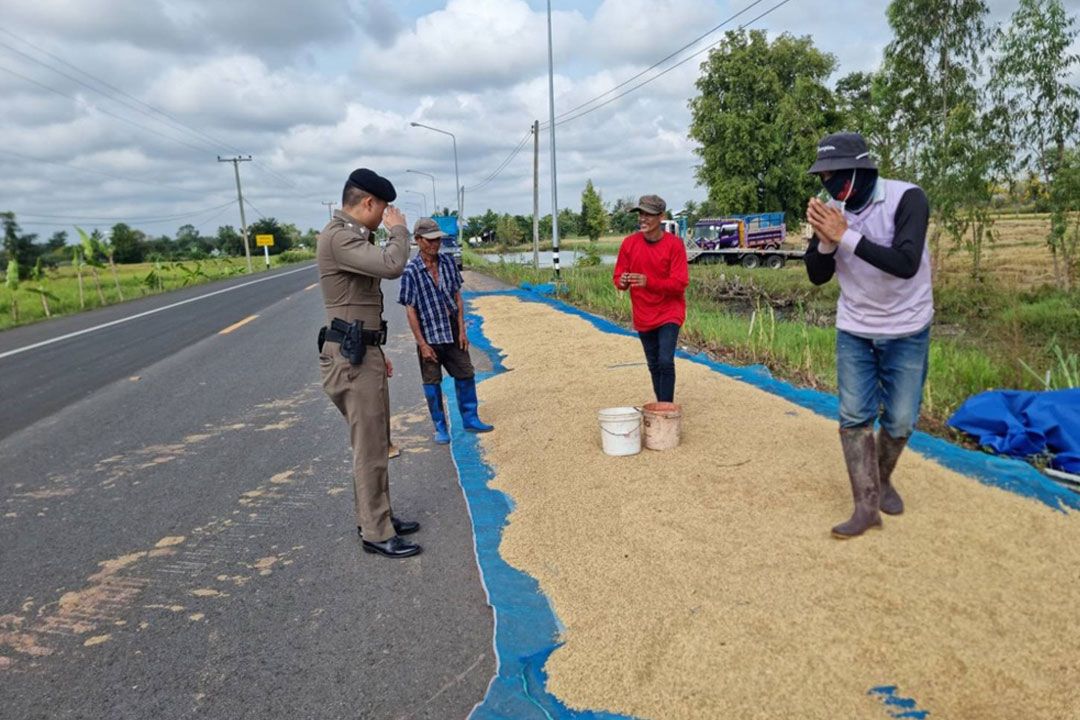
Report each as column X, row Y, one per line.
column 351, row 267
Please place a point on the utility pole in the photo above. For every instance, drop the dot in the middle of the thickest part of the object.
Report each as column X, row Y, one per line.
column 554, row 177
column 240, row 197
column 330, row 206
column 536, row 194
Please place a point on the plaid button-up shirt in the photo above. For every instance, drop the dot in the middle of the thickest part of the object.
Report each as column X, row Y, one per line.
column 434, row 304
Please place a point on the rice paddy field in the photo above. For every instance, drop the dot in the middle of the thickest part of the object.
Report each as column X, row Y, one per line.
column 59, row 290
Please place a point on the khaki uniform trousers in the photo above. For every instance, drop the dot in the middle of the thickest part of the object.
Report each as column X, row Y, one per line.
column 361, row 393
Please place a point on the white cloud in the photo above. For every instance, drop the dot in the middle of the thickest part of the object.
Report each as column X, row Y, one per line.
column 240, row 90
column 470, row 45
column 647, row 30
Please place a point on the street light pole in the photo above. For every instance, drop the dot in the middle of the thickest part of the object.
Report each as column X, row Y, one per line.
column 434, row 202
column 457, row 178
column 422, row 197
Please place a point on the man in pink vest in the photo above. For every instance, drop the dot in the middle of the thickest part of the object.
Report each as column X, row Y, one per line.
column 871, row 234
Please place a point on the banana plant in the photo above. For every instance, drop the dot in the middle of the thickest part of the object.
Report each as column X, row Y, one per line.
column 38, row 276
column 92, row 254
column 76, row 260
column 12, row 283
column 110, row 250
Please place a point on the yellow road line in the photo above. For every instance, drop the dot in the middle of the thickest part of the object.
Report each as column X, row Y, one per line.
column 312, row 285
column 234, row 326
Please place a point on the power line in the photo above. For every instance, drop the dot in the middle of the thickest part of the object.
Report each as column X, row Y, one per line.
column 154, row 221
column 213, row 217
column 101, row 109
column 658, row 63
column 174, row 122
column 667, row 70
column 165, row 218
column 141, row 181
column 252, row 206
column 172, row 118
column 567, row 116
column 74, row 79
column 503, row 164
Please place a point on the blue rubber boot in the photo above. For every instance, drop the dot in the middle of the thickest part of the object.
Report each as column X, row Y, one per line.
column 467, row 404
column 433, row 393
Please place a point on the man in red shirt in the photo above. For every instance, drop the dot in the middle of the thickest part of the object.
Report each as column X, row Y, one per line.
column 652, row 265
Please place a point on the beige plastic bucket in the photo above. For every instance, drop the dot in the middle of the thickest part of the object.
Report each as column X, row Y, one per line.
column 663, row 425
column 620, row 430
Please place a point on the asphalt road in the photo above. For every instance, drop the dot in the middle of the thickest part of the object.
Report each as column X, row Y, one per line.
column 177, row 537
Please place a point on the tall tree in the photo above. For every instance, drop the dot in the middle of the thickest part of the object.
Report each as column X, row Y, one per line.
column 623, row 220
column 128, row 244
column 229, row 241
column 594, row 219
column 270, row 226
column 1033, row 76
column 57, row 241
column 18, row 246
column 569, row 223
column 760, row 111
column 929, row 87
column 93, row 254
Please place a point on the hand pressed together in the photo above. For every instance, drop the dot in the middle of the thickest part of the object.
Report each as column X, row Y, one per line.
column 828, row 223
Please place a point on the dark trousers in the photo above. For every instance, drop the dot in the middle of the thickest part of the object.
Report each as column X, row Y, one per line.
column 659, row 344
column 457, row 362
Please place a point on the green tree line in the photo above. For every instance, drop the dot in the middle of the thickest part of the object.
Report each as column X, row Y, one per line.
column 124, row 244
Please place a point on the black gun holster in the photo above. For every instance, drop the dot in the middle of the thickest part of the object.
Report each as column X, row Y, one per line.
column 350, row 338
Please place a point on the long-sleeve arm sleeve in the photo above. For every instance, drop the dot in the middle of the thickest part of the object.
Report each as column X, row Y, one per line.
column 356, row 254
column 903, row 256
column 679, row 279
column 819, row 266
column 621, row 265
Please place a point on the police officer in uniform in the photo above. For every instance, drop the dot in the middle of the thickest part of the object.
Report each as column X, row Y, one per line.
column 354, row 369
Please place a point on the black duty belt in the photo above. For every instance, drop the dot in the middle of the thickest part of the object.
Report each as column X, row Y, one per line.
column 368, row 337
column 352, row 338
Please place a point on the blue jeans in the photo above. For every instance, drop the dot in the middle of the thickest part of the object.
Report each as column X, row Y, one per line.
column 659, row 344
column 884, row 375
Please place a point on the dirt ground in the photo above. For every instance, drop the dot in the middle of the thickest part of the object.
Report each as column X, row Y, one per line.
column 702, row 582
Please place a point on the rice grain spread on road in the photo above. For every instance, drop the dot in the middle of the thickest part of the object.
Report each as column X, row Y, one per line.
column 702, row 582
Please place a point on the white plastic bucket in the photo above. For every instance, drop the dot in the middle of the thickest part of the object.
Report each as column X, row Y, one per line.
column 620, row 430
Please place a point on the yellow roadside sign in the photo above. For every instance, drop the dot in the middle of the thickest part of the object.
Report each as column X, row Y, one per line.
column 264, row 241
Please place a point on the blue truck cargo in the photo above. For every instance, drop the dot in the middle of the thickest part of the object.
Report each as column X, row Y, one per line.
column 450, row 244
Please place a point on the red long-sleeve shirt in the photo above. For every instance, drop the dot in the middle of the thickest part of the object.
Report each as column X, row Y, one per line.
column 663, row 263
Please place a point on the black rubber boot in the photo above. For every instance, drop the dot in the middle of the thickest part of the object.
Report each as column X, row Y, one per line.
column 860, row 455
column 888, row 452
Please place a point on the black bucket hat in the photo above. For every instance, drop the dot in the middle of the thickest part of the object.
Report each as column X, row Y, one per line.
column 842, row 151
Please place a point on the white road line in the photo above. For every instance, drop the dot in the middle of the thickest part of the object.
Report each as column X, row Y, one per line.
column 50, row 341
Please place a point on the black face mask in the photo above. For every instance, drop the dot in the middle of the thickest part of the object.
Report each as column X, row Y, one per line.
column 839, row 185
column 854, row 188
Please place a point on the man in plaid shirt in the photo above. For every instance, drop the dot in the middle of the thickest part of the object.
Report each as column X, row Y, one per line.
column 431, row 294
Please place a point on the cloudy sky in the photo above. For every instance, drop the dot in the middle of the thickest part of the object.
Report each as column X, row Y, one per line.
column 117, row 109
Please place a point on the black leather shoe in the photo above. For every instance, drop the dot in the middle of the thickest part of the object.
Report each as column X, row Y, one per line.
column 401, row 527
column 395, row 547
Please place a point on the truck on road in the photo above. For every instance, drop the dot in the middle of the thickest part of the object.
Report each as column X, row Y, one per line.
column 451, row 244
column 747, row 240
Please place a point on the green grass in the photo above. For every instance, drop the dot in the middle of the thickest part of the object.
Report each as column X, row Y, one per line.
column 983, row 337
column 136, row 280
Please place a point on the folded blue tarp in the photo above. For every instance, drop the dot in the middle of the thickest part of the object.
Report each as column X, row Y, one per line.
column 1022, row 424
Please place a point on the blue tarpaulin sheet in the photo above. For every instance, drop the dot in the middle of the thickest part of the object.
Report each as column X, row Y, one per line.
column 1022, row 424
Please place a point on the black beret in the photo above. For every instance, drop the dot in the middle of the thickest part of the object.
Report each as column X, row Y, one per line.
column 373, row 183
